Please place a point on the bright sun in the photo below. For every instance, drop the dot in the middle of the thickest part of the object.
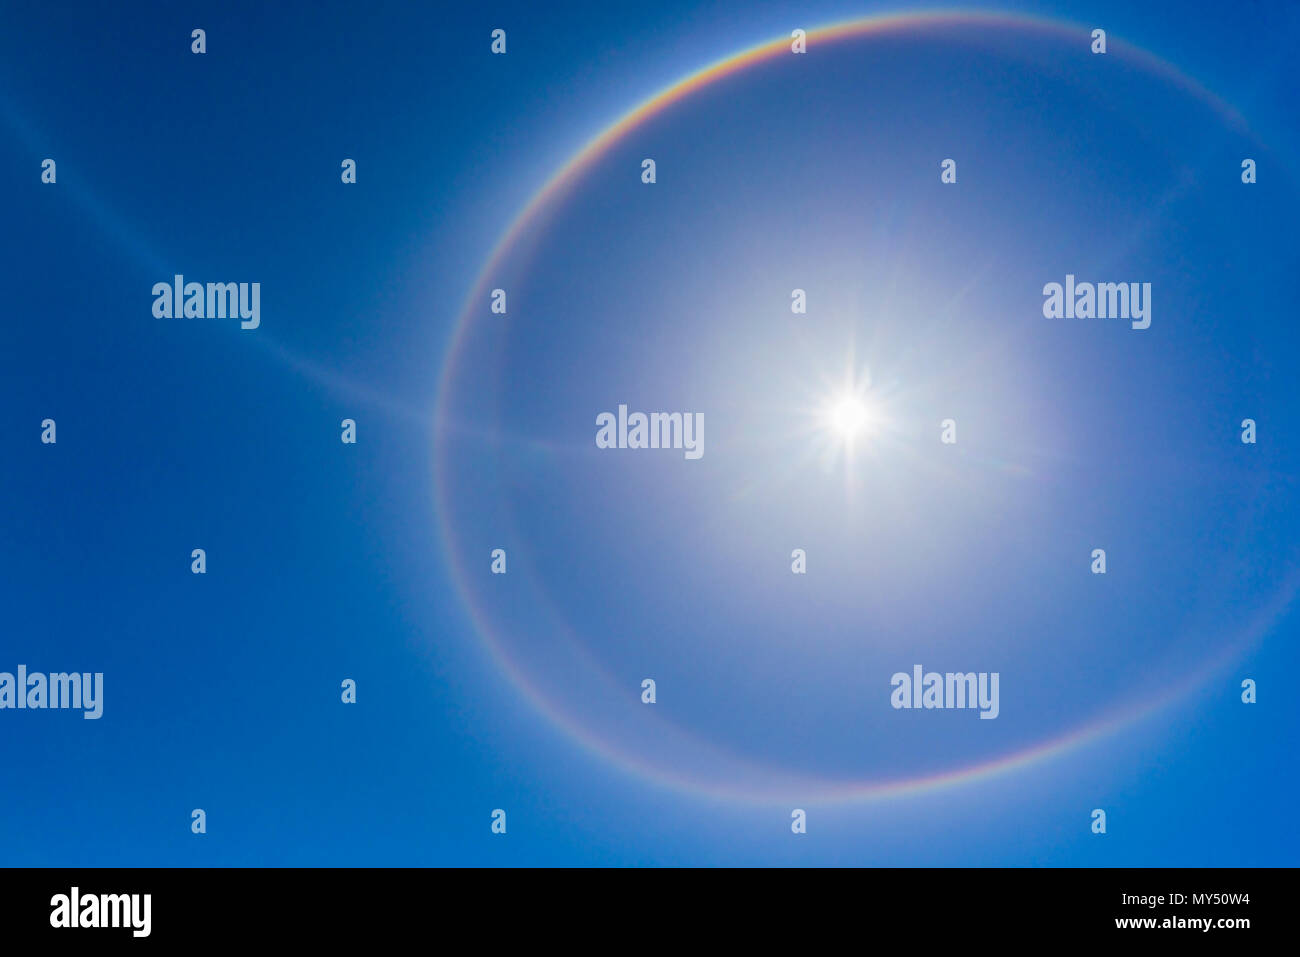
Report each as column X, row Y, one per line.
column 849, row 416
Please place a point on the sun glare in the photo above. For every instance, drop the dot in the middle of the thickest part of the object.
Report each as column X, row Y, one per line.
column 850, row 417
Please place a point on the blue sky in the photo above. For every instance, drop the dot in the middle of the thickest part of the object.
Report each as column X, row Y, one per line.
column 328, row 561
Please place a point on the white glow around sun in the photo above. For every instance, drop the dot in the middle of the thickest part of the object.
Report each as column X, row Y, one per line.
column 851, row 416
